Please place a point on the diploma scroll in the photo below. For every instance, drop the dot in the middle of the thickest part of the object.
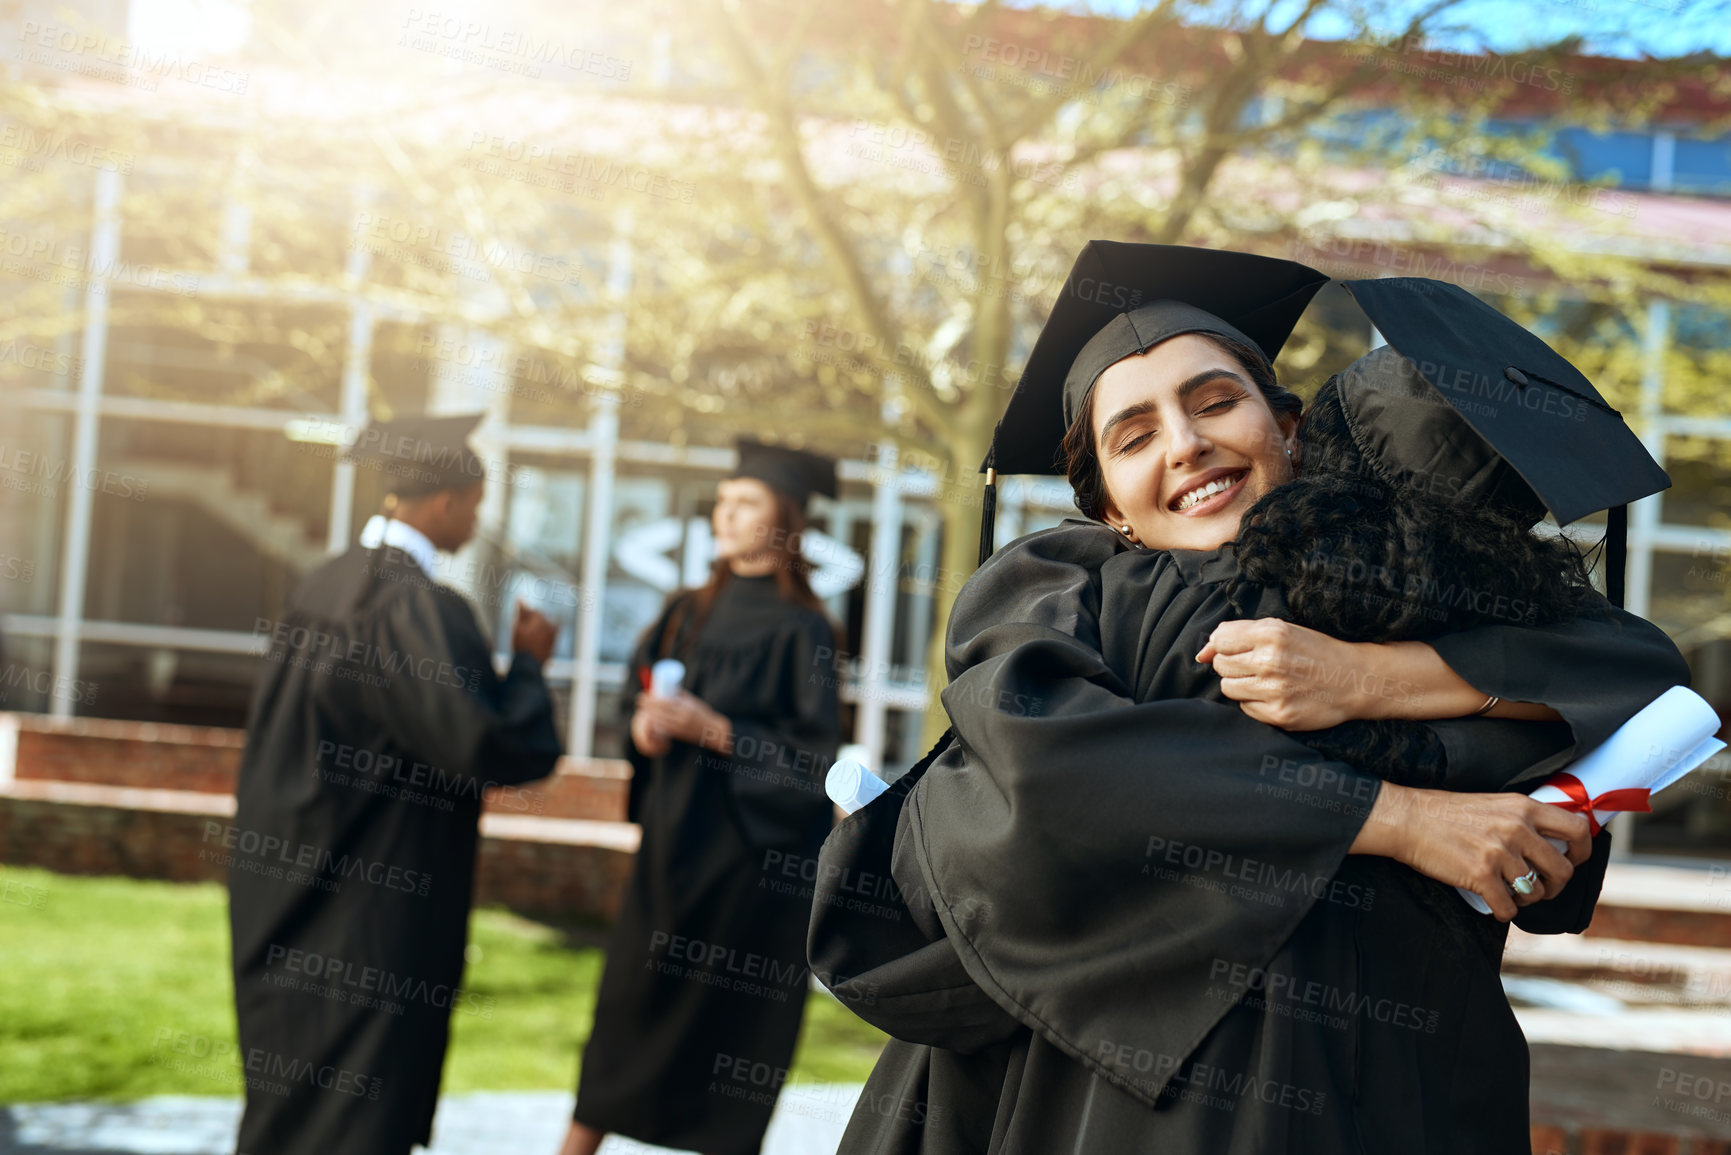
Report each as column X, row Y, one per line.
column 1670, row 736
column 851, row 786
column 665, row 677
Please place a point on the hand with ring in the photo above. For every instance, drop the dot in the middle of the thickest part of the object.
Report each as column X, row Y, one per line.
column 1525, row 884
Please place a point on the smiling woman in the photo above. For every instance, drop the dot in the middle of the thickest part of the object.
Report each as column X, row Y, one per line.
column 1164, row 862
column 1188, row 435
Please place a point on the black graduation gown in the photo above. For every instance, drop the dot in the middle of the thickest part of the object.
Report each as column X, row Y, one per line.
column 1164, row 946
column 701, row 1000
column 377, row 724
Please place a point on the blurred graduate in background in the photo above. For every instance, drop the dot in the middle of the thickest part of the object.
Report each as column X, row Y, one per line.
column 377, row 726
column 706, row 977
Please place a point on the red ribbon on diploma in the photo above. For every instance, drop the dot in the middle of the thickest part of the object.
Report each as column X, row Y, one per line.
column 1629, row 798
column 643, row 678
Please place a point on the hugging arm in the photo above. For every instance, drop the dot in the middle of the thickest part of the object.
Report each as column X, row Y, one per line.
column 1593, row 671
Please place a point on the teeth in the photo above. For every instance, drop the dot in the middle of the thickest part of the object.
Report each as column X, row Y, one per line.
column 1203, row 493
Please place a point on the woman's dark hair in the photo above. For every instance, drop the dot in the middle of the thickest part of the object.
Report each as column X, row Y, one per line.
column 792, row 581
column 1082, row 462
column 1367, row 560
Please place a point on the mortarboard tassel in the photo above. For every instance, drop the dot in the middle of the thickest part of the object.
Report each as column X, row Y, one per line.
column 1616, row 553
column 988, row 512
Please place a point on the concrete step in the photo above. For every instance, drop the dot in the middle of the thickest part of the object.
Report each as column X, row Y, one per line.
column 808, row 1120
column 1634, row 973
column 1681, row 905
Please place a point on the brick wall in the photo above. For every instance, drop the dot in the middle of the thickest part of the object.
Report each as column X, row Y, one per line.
column 534, row 875
column 206, row 759
column 93, row 796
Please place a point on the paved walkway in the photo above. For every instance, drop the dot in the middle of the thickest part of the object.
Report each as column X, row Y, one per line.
column 808, row 1121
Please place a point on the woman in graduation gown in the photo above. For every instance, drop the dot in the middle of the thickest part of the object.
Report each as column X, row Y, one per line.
column 700, row 1004
column 1138, row 919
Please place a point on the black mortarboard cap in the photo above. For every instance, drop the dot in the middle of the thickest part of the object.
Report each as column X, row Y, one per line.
column 1121, row 299
column 1410, row 436
column 794, row 472
column 417, row 456
column 1523, row 398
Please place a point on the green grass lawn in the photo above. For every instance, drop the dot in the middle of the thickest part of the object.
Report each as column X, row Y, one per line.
column 113, row 988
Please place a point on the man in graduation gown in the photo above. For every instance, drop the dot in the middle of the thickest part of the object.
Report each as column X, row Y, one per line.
column 377, row 726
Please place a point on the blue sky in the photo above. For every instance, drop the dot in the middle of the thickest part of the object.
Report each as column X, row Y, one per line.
column 1629, row 28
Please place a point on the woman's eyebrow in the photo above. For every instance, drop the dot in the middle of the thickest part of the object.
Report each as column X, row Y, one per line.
column 1188, row 386
column 1125, row 414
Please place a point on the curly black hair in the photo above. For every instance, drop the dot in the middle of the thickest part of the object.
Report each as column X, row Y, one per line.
column 1365, row 559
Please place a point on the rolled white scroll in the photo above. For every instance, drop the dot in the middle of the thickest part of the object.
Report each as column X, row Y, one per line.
column 850, row 785
column 1671, row 736
column 665, row 676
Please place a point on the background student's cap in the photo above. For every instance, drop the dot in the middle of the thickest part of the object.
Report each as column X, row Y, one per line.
column 417, row 456
column 794, row 472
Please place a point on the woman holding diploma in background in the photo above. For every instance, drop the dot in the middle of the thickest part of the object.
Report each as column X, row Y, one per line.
column 706, row 978
column 1199, row 934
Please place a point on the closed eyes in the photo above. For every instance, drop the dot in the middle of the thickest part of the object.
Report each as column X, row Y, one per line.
column 1219, row 406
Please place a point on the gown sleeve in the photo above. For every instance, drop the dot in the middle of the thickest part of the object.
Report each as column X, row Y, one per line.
column 1597, row 670
column 444, row 701
column 777, row 768
column 1121, row 848
column 641, row 657
column 888, row 960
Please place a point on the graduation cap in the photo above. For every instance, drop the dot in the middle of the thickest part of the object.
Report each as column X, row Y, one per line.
column 1523, row 398
column 794, row 472
column 420, row 455
column 1122, row 299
